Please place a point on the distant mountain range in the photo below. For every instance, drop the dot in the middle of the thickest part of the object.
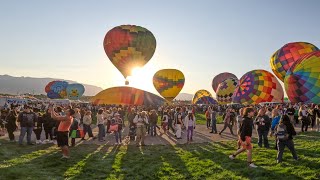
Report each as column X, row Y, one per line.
column 184, row 97
column 21, row 85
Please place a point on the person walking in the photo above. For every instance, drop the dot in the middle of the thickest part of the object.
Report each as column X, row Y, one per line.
column 116, row 127
column 208, row 116
column 263, row 124
column 153, row 122
column 227, row 122
column 284, row 133
column 178, row 122
column 48, row 125
column 245, row 137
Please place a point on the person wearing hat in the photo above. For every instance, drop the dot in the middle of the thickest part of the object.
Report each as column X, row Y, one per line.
column 116, row 126
column 26, row 119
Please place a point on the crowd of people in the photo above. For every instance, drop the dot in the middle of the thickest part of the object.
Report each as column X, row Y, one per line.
column 63, row 123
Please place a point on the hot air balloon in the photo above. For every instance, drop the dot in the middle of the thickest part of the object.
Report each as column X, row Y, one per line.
column 127, row 96
column 221, row 77
column 56, row 89
column 75, row 91
column 283, row 58
column 258, row 86
column 129, row 46
column 203, row 97
column 225, row 91
column 168, row 82
column 302, row 81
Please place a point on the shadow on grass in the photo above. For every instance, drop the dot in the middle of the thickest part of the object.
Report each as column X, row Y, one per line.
column 209, row 152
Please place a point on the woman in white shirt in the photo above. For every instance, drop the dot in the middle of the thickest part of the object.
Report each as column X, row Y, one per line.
column 101, row 125
column 87, row 120
column 190, row 124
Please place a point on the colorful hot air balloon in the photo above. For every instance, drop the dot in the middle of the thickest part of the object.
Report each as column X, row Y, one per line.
column 56, row 89
column 127, row 96
column 258, row 86
column 302, row 81
column 283, row 58
column 129, row 46
column 75, row 91
column 225, row 91
column 221, row 77
column 203, row 97
column 168, row 82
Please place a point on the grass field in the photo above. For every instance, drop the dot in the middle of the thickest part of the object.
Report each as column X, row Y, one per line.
column 195, row 161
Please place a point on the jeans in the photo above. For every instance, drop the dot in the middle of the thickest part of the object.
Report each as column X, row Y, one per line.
column 153, row 129
column 305, row 124
column 214, row 125
column 102, row 131
column 263, row 136
column 282, row 144
column 190, row 133
column 117, row 134
column 208, row 123
column 170, row 125
column 23, row 132
column 225, row 127
column 48, row 133
column 87, row 129
column 178, row 132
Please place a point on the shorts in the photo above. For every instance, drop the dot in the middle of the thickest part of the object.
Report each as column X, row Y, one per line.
column 63, row 138
column 164, row 125
column 249, row 145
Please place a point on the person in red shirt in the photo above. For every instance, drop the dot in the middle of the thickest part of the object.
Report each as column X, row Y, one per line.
column 63, row 130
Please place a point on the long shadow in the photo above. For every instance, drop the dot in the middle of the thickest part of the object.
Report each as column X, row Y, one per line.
column 238, row 166
column 10, row 151
column 48, row 166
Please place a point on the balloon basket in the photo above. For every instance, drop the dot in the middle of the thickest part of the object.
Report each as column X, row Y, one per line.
column 126, row 82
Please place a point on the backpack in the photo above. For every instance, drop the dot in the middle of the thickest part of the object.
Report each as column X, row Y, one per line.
column 281, row 132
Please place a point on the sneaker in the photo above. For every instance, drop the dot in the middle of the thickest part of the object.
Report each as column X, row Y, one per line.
column 116, row 143
column 50, row 141
column 252, row 165
column 55, row 142
column 232, row 157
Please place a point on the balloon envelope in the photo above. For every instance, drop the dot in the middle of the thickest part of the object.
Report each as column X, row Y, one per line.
column 258, row 86
column 75, row 91
column 127, row 96
column 129, row 46
column 168, row 82
column 56, row 89
column 302, row 81
column 283, row 58
column 203, row 97
column 226, row 90
column 221, row 77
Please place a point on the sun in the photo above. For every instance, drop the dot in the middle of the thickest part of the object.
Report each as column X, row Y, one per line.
column 142, row 78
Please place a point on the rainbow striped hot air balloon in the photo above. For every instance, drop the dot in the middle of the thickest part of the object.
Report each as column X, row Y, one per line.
column 129, row 46
column 168, row 82
column 283, row 58
column 302, row 81
column 258, row 86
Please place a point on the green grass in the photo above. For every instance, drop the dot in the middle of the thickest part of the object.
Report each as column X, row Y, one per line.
column 195, row 161
column 201, row 119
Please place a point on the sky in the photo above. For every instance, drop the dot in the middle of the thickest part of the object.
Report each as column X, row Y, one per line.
column 64, row 39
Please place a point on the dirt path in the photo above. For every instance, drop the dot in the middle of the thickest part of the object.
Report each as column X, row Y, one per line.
column 201, row 135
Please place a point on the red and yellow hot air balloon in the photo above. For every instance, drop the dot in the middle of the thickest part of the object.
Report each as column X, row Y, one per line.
column 129, row 46
column 168, row 82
